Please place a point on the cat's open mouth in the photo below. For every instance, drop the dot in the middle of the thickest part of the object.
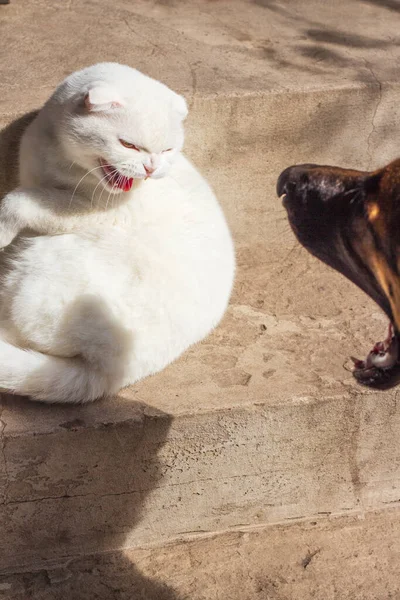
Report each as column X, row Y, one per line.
column 114, row 178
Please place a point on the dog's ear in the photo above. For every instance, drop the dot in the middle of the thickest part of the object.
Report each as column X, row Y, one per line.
column 372, row 182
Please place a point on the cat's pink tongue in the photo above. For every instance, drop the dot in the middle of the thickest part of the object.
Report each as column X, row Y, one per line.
column 127, row 184
column 115, row 178
column 121, row 182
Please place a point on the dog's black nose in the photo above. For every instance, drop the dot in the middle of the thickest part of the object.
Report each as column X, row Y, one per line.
column 283, row 179
column 289, row 178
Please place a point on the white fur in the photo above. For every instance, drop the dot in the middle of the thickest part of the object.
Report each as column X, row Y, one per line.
column 109, row 286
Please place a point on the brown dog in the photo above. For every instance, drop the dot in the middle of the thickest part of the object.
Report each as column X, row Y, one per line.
column 351, row 221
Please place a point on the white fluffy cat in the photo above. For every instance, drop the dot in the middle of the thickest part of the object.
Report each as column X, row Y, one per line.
column 128, row 259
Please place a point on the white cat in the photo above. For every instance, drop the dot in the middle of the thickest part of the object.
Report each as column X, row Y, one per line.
column 128, row 260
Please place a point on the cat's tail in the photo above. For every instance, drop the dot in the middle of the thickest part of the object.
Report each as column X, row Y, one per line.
column 53, row 379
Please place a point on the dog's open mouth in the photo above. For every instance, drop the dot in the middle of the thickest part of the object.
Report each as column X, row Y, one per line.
column 114, row 178
column 350, row 220
column 381, row 367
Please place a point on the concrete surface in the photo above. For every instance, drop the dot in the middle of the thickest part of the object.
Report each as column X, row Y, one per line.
column 261, row 422
column 201, row 47
column 346, row 558
column 268, row 83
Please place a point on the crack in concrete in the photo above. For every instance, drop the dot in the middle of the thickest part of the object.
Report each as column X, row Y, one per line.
column 142, row 37
column 65, row 496
column 308, row 558
column 193, row 74
column 3, row 454
column 354, row 420
column 378, row 102
column 143, row 491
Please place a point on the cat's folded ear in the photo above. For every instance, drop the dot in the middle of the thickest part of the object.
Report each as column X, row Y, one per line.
column 180, row 106
column 101, row 98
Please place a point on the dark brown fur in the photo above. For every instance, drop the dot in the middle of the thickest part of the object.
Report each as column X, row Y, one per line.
column 351, row 221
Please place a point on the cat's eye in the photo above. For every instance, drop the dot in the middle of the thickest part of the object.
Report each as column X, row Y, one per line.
column 168, row 150
column 129, row 145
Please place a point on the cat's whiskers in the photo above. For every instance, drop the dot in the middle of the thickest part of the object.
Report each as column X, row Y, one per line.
column 119, row 179
column 94, row 191
column 79, row 182
column 115, row 170
column 101, row 195
column 108, row 197
column 127, row 167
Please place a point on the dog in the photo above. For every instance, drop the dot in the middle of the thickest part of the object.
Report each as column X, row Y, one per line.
column 350, row 220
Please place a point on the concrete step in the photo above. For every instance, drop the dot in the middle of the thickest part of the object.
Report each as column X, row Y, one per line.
column 268, row 83
column 261, row 423
column 342, row 558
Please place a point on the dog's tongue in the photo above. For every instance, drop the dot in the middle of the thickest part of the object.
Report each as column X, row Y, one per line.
column 384, row 355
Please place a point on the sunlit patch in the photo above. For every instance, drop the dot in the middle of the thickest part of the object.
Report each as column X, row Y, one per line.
column 388, row 282
column 373, row 211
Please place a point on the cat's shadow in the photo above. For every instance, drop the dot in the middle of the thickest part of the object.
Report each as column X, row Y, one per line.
column 103, row 523
column 10, row 138
column 137, row 448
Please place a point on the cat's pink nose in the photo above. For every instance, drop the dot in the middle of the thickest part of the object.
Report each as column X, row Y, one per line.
column 149, row 170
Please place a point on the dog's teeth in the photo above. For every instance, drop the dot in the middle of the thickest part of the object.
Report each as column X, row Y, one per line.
column 359, row 364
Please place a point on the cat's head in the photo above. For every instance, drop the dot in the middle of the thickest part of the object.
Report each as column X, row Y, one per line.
column 119, row 124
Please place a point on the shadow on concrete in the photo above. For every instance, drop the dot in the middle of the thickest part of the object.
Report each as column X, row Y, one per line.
column 270, row 4
column 326, row 48
column 393, row 5
column 118, row 462
column 10, row 138
column 342, row 38
column 97, row 578
column 74, row 480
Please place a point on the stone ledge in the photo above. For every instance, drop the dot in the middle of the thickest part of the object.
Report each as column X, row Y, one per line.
column 348, row 558
column 198, row 48
column 254, row 426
